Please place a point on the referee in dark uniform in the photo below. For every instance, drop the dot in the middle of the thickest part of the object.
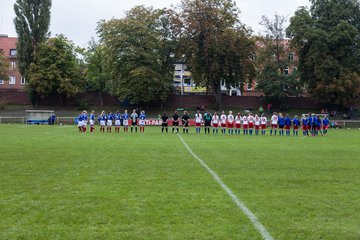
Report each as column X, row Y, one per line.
column 164, row 124
column 207, row 122
column 176, row 119
column 185, row 122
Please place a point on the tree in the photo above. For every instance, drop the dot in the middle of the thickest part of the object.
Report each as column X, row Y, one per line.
column 32, row 23
column 217, row 46
column 138, row 55
column 274, row 60
column 4, row 66
column 328, row 40
column 56, row 70
column 98, row 73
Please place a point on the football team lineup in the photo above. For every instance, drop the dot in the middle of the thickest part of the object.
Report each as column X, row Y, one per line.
column 247, row 124
column 178, row 186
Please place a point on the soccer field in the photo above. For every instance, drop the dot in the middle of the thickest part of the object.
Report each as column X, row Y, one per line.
column 56, row 183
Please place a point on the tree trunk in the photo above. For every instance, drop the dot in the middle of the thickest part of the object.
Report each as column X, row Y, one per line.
column 101, row 99
column 216, row 91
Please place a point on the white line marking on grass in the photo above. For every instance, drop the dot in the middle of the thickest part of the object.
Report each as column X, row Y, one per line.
column 254, row 220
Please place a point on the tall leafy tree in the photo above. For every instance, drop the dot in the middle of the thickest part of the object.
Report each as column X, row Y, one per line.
column 32, row 22
column 275, row 62
column 138, row 54
column 98, row 75
column 4, row 66
column 328, row 38
column 217, row 46
column 56, row 69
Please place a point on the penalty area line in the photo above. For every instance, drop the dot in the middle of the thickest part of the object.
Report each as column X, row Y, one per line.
column 254, row 220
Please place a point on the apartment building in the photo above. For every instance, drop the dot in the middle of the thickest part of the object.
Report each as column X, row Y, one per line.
column 8, row 48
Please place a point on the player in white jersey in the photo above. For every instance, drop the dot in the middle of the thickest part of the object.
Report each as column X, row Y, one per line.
column 230, row 122
column 257, row 124
column 198, row 121
column 263, row 122
column 223, row 119
column 245, row 122
column 215, row 123
column 274, row 123
column 251, row 120
column 237, row 123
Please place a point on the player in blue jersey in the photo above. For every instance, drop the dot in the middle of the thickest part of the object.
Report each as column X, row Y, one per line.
column 281, row 123
column 310, row 124
column 117, row 121
column 110, row 118
column 142, row 119
column 92, row 121
column 325, row 124
column 80, row 122
column 125, row 117
column 102, row 121
column 85, row 120
column 318, row 126
column 304, row 124
column 296, row 124
column 287, row 122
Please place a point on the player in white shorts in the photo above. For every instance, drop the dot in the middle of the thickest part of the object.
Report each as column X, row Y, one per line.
column 92, row 121
column 126, row 121
column 80, row 122
column 102, row 120
column 110, row 117
column 117, row 121
column 85, row 120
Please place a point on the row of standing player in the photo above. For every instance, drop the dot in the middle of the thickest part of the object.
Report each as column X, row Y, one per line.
column 106, row 120
column 248, row 122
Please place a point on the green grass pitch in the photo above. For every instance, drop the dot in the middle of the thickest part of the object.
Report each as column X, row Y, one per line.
column 56, row 183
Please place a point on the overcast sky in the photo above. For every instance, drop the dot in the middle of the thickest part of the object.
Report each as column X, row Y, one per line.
column 77, row 19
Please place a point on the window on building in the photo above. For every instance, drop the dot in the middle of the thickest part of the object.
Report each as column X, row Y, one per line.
column 12, row 65
column 291, row 57
column 12, row 80
column 1, row 81
column 286, row 71
column 187, row 81
column 249, row 86
column 23, row 80
column 12, row 52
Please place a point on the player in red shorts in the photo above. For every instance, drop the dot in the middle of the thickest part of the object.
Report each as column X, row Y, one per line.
column 325, row 123
column 198, row 121
column 296, row 124
column 245, row 123
column 274, row 123
column 223, row 119
column 304, row 124
column 237, row 124
column 263, row 122
column 251, row 120
column 257, row 124
column 215, row 123
column 230, row 122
